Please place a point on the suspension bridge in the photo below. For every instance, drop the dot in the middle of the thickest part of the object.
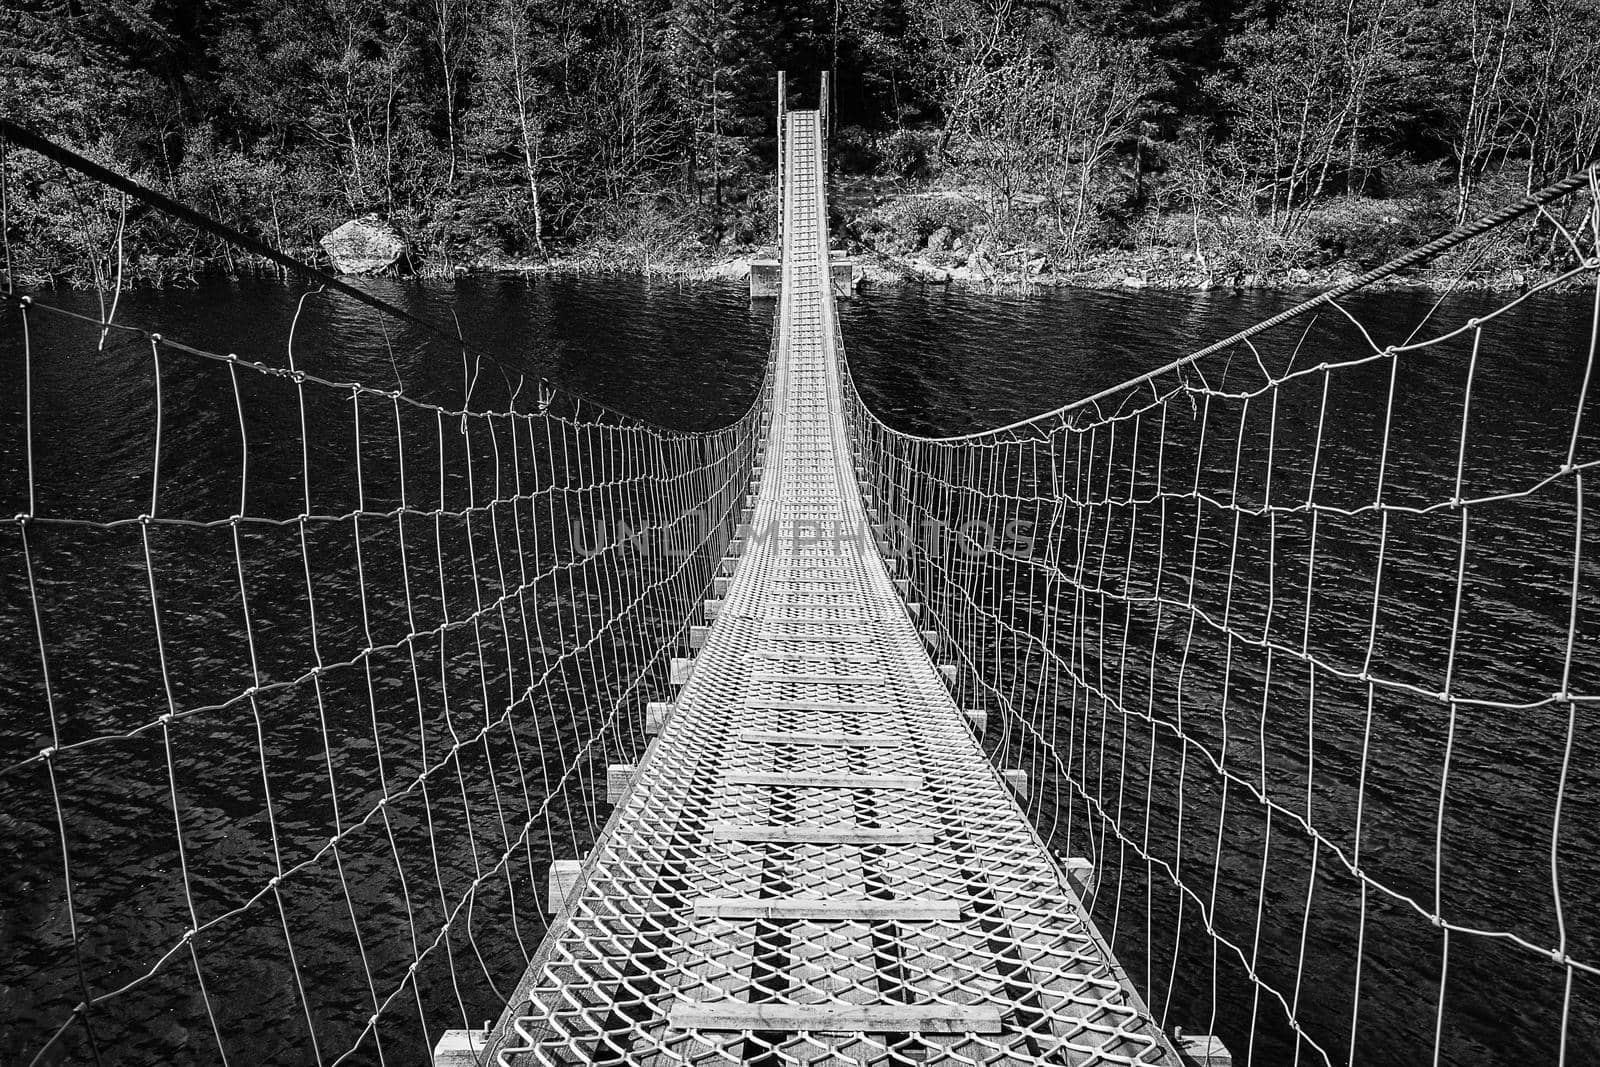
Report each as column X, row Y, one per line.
column 471, row 718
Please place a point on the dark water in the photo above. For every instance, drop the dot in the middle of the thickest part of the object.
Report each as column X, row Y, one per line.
column 929, row 361
column 1196, row 615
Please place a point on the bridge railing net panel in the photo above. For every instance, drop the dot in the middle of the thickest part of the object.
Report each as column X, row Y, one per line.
column 295, row 716
column 1297, row 642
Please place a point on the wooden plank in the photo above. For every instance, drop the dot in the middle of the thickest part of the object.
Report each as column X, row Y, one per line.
column 656, row 715
column 1080, row 875
column 563, row 882
column 835, row 639
column 865, row 1018
column 812, row 572
column 823, row 780
column 812, row 833
column 819, row 678
column 801, row 567
column 908, row 909
column 619, row 778
column 1205, row 1050
column 826, row 740
column 831, row 657
column 460, row 1048
column 760, row 704
column 784, row 655
column 816, row 620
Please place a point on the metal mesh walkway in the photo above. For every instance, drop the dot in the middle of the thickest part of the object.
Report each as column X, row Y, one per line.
column 816, row 863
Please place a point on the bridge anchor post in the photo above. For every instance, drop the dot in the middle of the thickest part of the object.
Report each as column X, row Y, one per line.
column 842, row 273
column 766, row 278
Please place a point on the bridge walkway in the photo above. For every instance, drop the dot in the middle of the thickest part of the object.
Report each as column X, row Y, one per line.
column 816, row 863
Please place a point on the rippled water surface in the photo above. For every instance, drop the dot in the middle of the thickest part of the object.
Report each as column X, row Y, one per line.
column 931, row 361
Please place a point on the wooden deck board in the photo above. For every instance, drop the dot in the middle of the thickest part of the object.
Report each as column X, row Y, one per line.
column 870, row 1018
column 826, row 739
column 862, row 908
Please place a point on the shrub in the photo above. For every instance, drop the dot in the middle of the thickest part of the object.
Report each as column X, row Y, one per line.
column 1248, row 244
column 1369, row 232
column 1397, row 179
column 1171, row 229
column 854, row 151
column 908, row 154
column 650, row 233
column 912, row 218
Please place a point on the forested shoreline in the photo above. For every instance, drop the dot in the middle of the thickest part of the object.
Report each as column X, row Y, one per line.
column 1176, row 142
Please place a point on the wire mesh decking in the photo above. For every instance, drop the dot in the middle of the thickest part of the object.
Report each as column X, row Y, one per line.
column 816, row 863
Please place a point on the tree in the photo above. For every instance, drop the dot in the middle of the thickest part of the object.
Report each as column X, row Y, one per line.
column 1183, row 39
column 1555, row 95
column 963, row 45
column 513, row 98
column 1471, row 45
column 1048, row 117
column 1100, row 91
column 453, row 21
column 1288, row 109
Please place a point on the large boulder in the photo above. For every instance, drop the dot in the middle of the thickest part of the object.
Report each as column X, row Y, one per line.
column 367, row 245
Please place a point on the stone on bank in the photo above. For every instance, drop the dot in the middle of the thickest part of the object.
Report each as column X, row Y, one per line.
column 367, row 245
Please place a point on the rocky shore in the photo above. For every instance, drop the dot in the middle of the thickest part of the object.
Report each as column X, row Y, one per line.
column 951, row 236
column 1017, row 269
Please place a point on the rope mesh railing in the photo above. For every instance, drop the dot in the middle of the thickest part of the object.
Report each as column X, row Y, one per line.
column 1295, row 638
column 318, row 652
